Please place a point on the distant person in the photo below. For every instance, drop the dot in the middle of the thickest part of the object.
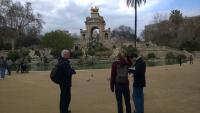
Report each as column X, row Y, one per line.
column 24, row 65
column 18, row 64
column 3, row 67
column 9, row 63
column 26, row 61
column 119, row 83
column 180, row 60
column 191, row 59
column 66, row 81
column 139, row 82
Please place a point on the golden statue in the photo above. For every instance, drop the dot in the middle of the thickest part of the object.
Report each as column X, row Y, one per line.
column 94, row 9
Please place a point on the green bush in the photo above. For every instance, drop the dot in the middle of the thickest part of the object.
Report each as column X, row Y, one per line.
column 99, row 51
column 57, row 40
column 55, row 53
column 90, row 52
column 190, row 46
column 170, row 55
column 151, row 56
column 102, row 49
column 77, row 53
column 89, row 60
column 13, row 55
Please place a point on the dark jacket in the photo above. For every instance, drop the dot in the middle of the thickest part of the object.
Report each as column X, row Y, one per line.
column 3, row 63
column 114, row 73
column 139, row 73
column 66, row 72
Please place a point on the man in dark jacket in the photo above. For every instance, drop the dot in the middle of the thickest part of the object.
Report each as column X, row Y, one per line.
column 139, row 82
column 66, row 81
column 120, row 84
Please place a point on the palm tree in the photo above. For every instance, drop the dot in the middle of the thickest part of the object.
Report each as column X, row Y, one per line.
column 135, row 4
column 176, row 17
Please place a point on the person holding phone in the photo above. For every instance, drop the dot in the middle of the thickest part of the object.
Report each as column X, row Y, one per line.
column 139, row 82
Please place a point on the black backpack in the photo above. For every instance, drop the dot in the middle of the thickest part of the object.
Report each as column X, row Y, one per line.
column 55, row 74
column 122, row 74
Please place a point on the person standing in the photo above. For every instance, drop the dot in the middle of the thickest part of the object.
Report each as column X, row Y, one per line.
column 9, row 65
column 66, row 81
column 191, row 59
column 180, row 60
column 119, row 83
column 22, row 65
column 139, row 82
column 3, row 66
column 18, row 64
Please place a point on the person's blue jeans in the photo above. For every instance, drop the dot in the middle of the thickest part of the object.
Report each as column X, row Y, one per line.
column 138, row 98
column 2, row 72
column 121, row 91
column 9, row 69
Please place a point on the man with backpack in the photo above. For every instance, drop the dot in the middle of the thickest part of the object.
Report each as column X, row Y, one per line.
column 65, row 73
column 3, row 67
column 139, row 82
column 119, row 82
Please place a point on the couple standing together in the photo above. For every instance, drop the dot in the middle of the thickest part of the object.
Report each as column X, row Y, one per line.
column 119, row 82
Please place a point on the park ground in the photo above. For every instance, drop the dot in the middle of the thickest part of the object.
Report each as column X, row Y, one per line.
column 170, row 89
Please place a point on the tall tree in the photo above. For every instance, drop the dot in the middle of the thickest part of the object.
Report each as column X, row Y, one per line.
column 57, row 40
column 16, row 20
column 176, row 19
column 123, row 33
column 135, row 4
column 176, row 32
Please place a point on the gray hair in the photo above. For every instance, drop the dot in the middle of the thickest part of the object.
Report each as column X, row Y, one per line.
column 63, row 52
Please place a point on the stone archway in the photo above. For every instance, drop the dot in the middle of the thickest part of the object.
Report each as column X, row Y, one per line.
column 95, row 21
column 94, row 31
column 95, row 36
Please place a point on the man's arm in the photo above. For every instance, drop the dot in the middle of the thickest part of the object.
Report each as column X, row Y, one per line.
column 131, row 71
column 129, row 62
column 73, row 71
column 139, row 68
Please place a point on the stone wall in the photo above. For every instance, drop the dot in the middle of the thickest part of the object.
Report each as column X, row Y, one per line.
column 161, row 52
column 197, row 54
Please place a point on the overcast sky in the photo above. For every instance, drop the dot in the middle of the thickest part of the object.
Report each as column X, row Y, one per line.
column 70, row 14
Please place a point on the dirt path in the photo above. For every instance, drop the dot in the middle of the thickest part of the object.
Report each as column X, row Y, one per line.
column 170, row 89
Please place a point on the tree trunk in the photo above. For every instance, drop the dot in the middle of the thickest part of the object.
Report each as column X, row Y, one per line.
column 135, row 21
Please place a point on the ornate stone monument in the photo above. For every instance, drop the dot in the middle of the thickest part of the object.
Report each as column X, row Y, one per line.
column 95, row 30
